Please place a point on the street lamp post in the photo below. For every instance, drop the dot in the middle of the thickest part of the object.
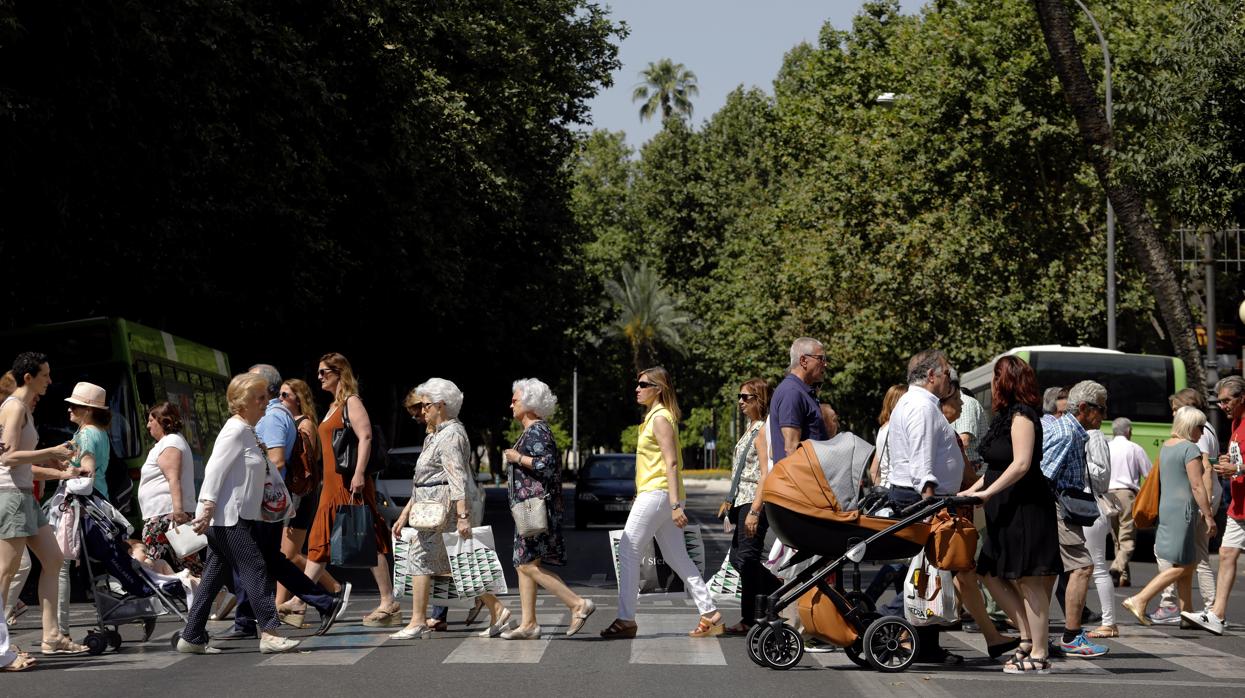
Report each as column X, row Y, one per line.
column 1106, row 70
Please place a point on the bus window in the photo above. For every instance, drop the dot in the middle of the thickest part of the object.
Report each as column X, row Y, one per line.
column 1137, row 386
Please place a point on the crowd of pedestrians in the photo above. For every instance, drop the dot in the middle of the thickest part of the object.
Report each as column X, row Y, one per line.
column 1053, row 489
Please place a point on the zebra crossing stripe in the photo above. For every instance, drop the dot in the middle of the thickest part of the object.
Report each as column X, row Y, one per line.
column 1186, row 653
column 662, row 639
column 479, row 650
column 145, row 657
column 1083, row 667
column 335, row 649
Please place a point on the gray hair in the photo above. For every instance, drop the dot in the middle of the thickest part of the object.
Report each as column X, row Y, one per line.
column 923, row 362
column 536, row 396
column 269, row 373
column 800, row 347
column 1050, row 399
column 1122, row 426
column 1233, row 384
column 1086, row 391
column 1186, row 420
column 441, row 390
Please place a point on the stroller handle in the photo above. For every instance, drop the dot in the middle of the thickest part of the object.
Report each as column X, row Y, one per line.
column 929, row 505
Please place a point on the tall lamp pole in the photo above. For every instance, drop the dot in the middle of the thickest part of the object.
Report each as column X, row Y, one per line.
column 1106, row 70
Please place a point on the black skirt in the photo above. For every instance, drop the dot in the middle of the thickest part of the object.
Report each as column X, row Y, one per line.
column 1022, row 539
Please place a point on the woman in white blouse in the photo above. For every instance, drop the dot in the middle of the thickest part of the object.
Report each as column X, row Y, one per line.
column 230, row 505
column 166, row 487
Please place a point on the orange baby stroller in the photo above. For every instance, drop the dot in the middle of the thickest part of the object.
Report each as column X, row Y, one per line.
column 810, row 500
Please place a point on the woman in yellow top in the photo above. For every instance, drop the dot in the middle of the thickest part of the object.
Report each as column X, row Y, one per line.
column 658, row 510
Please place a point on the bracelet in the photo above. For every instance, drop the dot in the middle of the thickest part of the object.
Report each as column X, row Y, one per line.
column 754, row 513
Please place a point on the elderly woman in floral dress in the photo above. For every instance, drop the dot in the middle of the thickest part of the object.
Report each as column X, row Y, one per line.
column 536, row 472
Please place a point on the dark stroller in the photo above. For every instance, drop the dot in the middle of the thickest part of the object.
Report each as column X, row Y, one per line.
column 106, row 555
column 811, row 503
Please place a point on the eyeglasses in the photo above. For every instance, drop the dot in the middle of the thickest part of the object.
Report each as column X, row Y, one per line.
column 817, row 357
column 645, row 384
column 426, row 405
column 1224, row 402
column 286, row 396
column 745, row 397
column 325, row 371
column 1095, row 406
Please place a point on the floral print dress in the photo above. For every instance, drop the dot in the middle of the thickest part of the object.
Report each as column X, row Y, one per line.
column 543, row 479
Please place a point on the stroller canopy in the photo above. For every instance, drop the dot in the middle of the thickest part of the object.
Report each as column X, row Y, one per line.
column 821, row 478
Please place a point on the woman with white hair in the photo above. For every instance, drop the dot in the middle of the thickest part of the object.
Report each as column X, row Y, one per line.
column 1182, row 499
column 536, row 473
column 441, row 475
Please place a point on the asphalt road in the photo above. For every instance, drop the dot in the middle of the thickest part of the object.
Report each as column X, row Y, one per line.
column 661, row 661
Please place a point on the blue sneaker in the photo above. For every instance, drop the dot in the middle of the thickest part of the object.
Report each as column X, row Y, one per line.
column 1083, row 647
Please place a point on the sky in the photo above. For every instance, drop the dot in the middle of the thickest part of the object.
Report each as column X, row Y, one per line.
column 726, row 43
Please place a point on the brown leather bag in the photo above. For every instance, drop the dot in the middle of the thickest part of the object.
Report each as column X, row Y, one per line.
column 1146, row 505
column 952, row 543
column 300, row 464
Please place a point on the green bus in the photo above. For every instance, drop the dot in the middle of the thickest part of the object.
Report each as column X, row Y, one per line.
column 138, row 366
column 1138, row 385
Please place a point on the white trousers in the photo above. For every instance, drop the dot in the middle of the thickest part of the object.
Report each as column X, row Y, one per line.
column 1096, row 542
column 650, row 519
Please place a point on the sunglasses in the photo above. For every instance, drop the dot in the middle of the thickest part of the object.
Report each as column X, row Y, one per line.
column 745, row 397
column 325, row 371
column 287, row 396
column 645, row 384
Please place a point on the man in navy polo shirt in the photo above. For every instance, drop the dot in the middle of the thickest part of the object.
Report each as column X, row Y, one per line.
column 794, row 414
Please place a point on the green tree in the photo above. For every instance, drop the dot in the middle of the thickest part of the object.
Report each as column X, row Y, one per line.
column 667, row 86
column 647, row 316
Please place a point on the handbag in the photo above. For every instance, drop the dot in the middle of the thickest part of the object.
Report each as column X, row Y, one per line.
column 530, row 517
column 430, row 515
column 301, row 471
column 1146, row 505
column 952, row 543
column 346, row 447
column 276, row 503
column 724, row 511
column 353, row 542
column 184, row 541
column 1080, row 508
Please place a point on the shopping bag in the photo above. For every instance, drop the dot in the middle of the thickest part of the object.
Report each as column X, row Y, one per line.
column 353, row 541
column 474, row 565
column 656, row 577
column 725, row 585
column 443, row 591
column 928, row 593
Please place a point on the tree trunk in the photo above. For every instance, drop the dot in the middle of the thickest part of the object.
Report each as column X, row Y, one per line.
column 1143, row 241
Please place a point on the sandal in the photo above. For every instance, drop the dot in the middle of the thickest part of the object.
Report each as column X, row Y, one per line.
column 1104, row 631
column 381, row 618
column 618, row 631
column 62, row 646
column 705, row 628
column 996, row 651
column 1027, row 665
column 1138, row 613
column 740, row 628
column 21, row 662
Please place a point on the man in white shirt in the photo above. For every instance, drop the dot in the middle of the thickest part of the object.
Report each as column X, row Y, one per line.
column 1129, row 464
column 925, row 458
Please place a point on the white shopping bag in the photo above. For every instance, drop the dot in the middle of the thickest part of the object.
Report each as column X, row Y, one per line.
column 725, row 585
column 655, row 575
column 779, row 556
column 474, row 565
column 928, row 594
column 444, row 591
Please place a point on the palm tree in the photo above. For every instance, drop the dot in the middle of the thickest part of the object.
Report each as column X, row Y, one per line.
column 667, row 85
column 647, row 314
column 1146, row 245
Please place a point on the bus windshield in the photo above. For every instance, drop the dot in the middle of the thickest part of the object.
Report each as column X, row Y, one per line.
column 1137, row 386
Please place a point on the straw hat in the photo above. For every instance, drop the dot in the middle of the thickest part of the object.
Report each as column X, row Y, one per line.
column 88, row 395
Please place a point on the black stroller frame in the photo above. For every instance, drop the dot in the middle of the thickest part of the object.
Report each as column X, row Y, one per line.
column 884, row 643
column 113, row 610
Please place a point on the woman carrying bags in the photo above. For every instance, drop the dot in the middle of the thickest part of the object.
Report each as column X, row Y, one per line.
column 658, row 510
column 536, row 476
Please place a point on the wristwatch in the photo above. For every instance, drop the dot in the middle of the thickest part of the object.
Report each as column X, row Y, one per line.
column 754, row 513
column 676, row 506
column 465, row 516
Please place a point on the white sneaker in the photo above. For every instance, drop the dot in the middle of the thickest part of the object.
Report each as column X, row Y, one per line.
column 190, row 648
column 275, row 644
column 1206, row 620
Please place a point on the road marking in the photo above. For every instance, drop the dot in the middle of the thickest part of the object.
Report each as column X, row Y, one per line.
column 832, row 660
column 142, row 657
column 479, row 650
column 1185, row 653
column 977, row 641
column 334, row 649
column 663, row 639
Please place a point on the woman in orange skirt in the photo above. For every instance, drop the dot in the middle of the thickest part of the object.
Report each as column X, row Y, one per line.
column 337, row 377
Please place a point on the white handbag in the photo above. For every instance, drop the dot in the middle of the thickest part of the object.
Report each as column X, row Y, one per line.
column 530, row 517
column 428, row 515
column 184, row 541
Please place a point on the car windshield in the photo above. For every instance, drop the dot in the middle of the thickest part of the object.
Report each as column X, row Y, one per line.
column 610, row 469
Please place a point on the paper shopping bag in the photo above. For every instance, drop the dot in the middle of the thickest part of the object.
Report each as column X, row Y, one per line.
column 725, row 585
column 474, row 565
column 352, row 542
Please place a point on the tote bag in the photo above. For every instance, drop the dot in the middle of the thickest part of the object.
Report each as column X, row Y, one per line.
column 352, row 542
column 474, row 565
column 928, row 593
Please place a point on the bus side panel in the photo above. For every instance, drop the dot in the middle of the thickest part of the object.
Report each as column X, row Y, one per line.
column 1149, row 435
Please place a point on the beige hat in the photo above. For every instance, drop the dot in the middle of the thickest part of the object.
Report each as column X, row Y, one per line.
column 88, row 395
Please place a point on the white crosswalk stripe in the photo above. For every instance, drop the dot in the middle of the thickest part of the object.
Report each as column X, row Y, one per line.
column 1190, row 655
column 662, row 639
column 334, row 649
column 478, row 650
column 1072, row 666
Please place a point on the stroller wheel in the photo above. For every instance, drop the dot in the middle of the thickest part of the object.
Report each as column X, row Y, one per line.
column 114, row 639
column 149, row 627
column 891, row 644
column 95, row 643
column 782, row 647
column 856, row 653
column 753, row 641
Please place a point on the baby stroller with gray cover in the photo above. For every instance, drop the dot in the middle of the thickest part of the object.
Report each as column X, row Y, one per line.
column 811, row 500
column 122, row 590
